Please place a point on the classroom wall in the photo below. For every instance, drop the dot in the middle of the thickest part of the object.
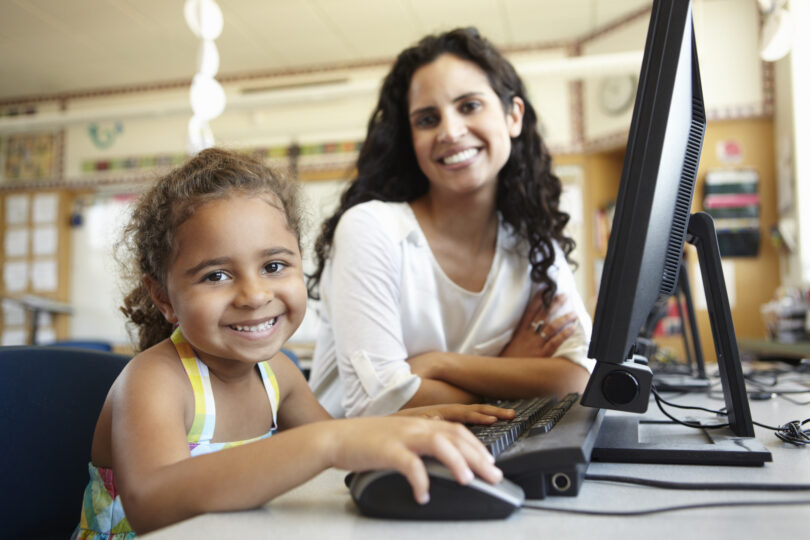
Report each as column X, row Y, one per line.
column 150, row 126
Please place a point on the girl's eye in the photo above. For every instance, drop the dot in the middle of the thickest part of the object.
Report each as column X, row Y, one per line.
column 215, row 276
column 274, row 267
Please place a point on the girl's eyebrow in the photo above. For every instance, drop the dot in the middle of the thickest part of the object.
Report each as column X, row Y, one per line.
column 219, row 261
column 455, row 100
column 206, row 263
column 277, row 251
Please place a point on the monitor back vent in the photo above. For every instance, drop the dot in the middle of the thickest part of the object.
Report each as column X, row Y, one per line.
column 683, row 201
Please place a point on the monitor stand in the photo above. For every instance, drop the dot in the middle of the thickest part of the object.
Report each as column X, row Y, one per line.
column 694, row 379
column 630, row 439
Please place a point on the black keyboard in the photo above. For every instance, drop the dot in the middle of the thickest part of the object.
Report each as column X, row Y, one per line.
column 547, row 447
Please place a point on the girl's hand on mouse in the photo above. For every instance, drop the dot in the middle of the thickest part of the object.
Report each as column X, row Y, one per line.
column 538, row 334
column 395, row 442
column 456, row 412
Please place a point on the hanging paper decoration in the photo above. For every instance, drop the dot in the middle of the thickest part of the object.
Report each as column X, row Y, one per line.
column 207, row 97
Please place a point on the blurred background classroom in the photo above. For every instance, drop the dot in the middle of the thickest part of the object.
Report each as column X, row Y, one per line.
column 100, row 97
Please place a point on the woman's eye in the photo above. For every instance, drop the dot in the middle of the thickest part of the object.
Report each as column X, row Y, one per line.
column 427, row 120
column 470, row 106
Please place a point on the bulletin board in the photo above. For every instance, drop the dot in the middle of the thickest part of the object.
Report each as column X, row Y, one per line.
column 35, row 262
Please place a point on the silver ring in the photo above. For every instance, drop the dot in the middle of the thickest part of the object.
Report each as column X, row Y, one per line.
column 536, row 326
column 543, row 335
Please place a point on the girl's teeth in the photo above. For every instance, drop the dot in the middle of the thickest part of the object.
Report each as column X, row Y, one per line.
column 255, row 328
column 461, row 156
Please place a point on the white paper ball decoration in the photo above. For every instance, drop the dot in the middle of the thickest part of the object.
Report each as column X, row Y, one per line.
column 207, row 97
column 204, row 18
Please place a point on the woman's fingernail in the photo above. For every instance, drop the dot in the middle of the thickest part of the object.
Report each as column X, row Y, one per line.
column 424, row 499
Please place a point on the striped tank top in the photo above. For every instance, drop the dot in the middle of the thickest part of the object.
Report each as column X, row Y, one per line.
column 102, row 513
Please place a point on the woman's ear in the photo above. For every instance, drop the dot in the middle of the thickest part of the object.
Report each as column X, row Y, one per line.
column 161, row 298
column 514, row 118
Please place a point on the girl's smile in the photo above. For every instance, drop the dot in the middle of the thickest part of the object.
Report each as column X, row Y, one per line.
column 236, row 283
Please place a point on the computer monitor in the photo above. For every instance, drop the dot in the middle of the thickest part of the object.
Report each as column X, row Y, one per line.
column 651, row 224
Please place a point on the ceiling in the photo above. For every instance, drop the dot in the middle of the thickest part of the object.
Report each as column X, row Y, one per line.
column 58, row 47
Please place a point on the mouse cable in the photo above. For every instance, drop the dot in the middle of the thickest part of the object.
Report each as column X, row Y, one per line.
column 784, row 396
column 790, row 432
column 725, row 486
column 648, row 511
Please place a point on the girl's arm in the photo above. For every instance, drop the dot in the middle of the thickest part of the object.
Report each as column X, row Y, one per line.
column 160, row 484
column 298, row 404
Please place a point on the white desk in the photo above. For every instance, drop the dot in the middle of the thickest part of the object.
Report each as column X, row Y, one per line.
column 322, row 508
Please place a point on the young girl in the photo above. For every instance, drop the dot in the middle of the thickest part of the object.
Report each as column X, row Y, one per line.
column 443, row 273
column 186, row 427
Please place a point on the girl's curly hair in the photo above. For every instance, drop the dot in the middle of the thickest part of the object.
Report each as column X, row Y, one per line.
column 147, row 244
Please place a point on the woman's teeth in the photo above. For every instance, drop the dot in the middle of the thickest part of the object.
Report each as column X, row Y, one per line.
column 255, row 328
column 464, row 155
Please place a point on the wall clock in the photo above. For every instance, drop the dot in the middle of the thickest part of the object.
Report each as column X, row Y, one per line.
column 616, row 94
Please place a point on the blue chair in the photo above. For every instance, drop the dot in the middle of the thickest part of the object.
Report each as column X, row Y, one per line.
column 50, row 398
column 84, row 344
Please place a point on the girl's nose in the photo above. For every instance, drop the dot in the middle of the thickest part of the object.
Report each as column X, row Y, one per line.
column 253, row 293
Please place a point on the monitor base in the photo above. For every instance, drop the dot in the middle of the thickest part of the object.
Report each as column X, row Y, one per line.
column 675, row 382
column 628, row 439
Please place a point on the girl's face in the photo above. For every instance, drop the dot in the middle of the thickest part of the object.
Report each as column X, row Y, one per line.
column 236, row 284
column 460, row 131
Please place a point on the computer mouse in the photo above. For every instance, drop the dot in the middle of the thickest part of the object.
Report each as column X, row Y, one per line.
column 387, row 494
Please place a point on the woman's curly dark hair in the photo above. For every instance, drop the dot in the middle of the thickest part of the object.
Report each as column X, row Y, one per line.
column 146, row 248
column 528, row 194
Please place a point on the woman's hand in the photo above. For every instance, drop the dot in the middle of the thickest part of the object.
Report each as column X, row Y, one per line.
column 466, row 414
column 537, row 334
column 392, row 442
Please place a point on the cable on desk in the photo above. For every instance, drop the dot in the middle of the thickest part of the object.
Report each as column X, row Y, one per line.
column 648, row 511
column 725, row 486
column 790, row 432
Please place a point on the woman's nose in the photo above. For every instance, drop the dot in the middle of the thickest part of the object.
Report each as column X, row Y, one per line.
column 452, row 128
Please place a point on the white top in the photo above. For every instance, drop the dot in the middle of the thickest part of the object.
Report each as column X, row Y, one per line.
column 384, row 298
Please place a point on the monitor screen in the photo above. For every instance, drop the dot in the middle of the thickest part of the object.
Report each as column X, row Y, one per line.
column 652, row 209
column 651, row 224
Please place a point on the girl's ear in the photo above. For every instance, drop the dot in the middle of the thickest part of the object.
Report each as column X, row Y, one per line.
column 161, row 299
column 514, row 118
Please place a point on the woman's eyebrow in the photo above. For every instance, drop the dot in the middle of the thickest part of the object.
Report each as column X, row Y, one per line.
column 429, row 108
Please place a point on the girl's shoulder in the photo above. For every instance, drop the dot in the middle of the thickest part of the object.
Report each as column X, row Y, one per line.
column 155, row 380
column 158, row 365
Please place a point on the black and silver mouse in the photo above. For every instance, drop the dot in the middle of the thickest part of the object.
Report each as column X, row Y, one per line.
column 387, row 494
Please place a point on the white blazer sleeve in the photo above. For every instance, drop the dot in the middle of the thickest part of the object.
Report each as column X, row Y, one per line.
column 364, row 303
column 575, row 348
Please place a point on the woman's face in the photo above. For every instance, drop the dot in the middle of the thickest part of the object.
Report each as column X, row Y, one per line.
column 460, row 131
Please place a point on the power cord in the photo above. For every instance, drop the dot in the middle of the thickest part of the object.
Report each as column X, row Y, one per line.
column 664, row 484
column 725, row 486
column 648, row 511
column 790, row 432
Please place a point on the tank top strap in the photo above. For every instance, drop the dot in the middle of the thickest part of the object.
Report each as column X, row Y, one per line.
column 271, row 387
column 202, row 427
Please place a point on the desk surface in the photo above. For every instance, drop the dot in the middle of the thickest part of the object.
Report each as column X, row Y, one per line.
column 769, row 348
column 322, row 507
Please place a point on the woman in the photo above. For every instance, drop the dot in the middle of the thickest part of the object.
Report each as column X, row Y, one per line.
column 443, row 273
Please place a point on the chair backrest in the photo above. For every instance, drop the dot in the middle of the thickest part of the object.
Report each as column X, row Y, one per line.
column 97, row 345
column 50, row 398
